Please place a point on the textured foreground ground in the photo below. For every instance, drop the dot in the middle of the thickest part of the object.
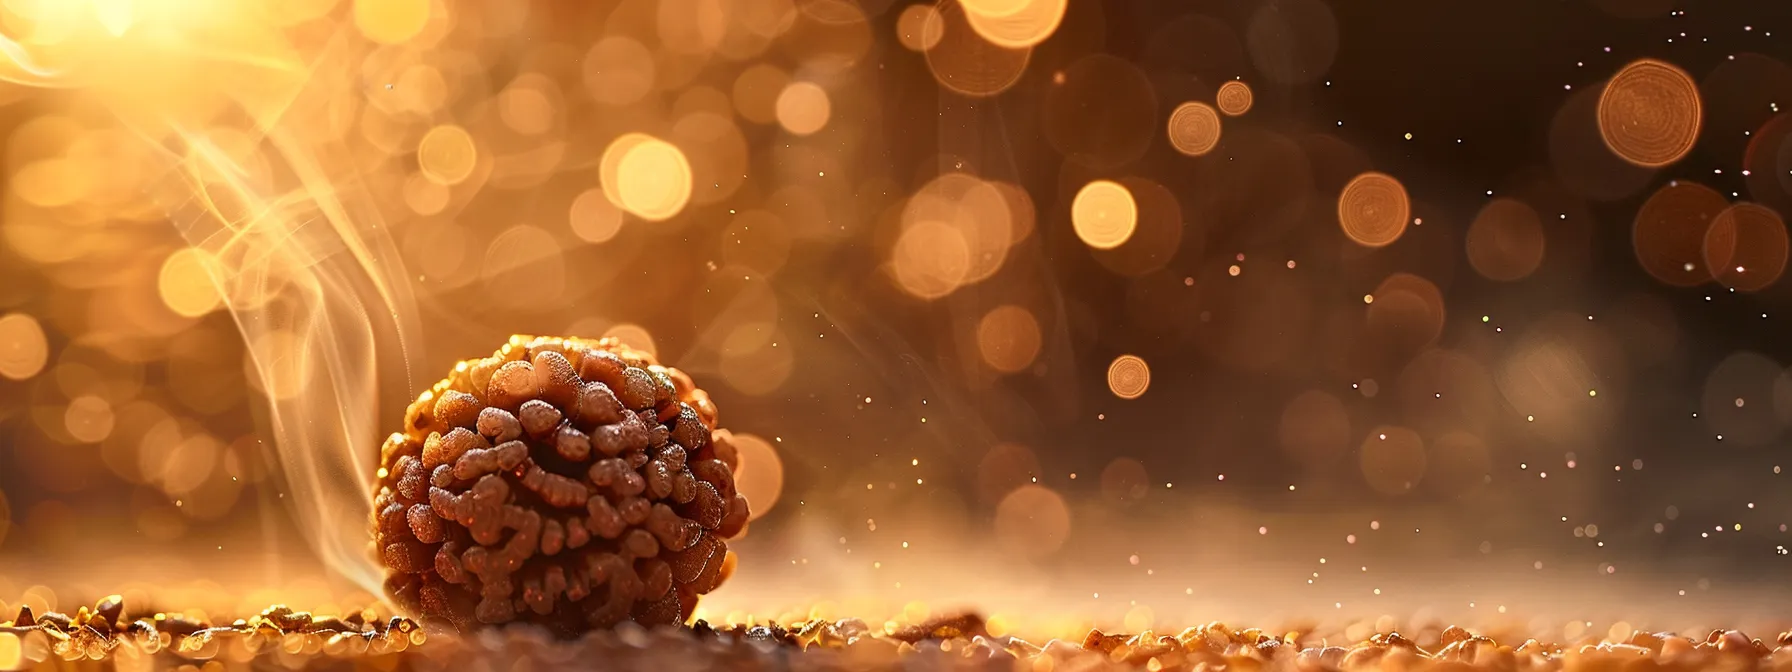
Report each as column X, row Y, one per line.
column 107, row 636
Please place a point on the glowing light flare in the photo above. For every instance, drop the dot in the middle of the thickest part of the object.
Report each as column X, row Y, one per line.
column 1194, row 128
column 803, row 108
column 1392, row 459
column 1128, row 377
column 1008, row 338
column 185, row 283
column 1670, row 230
column 391, row 21
column 1374, row 210
column 1032, row 521
column 1505, row 241
column 761, row 475
column 1104, row 214
column 1234, row 98
column 646, row 176
column 1745, row 248
column 446, row 155
column 23, row 348
column 1157, row 234
column 1650, row 113
column 1015, row 24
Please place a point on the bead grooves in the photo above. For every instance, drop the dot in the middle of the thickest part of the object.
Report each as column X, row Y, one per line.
column 569, row 483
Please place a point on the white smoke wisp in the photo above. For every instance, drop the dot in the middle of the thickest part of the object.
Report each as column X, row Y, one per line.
column 248, row 112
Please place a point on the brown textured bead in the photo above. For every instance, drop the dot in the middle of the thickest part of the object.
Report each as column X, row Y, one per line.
column 569, row 483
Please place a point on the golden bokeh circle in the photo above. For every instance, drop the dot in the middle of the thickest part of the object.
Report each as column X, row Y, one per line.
column 646, row 176
column 760, row 477
column 1032, row 521
column 1234, row 98
column 1373, row 209
column 1129, row 377
column 1745, row 248
column 930, row 259
column 1669, row 232
column 594, row 218
column 1104, row 214
column 185, row 282
column 446, row 155
column 803, row 108
column 965, row 62
column 1015, row 24
column 1505, row 241
column 1008, row 338
column 1650, row 113
column 918, row 27
column 1194, row 128
column 391, row 21
column 23, row 347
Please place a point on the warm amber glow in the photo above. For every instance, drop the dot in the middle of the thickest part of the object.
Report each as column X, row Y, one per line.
column 1194, row 128
column 1128, row 377
column 803, row 108
column 1650, row 113
column 646, row 176
column 1104, row 214
column 1008, row 338
column 1234, row 98
column 23, row 348
column 446, row 154
column 1373, row 209
column 968, row 63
